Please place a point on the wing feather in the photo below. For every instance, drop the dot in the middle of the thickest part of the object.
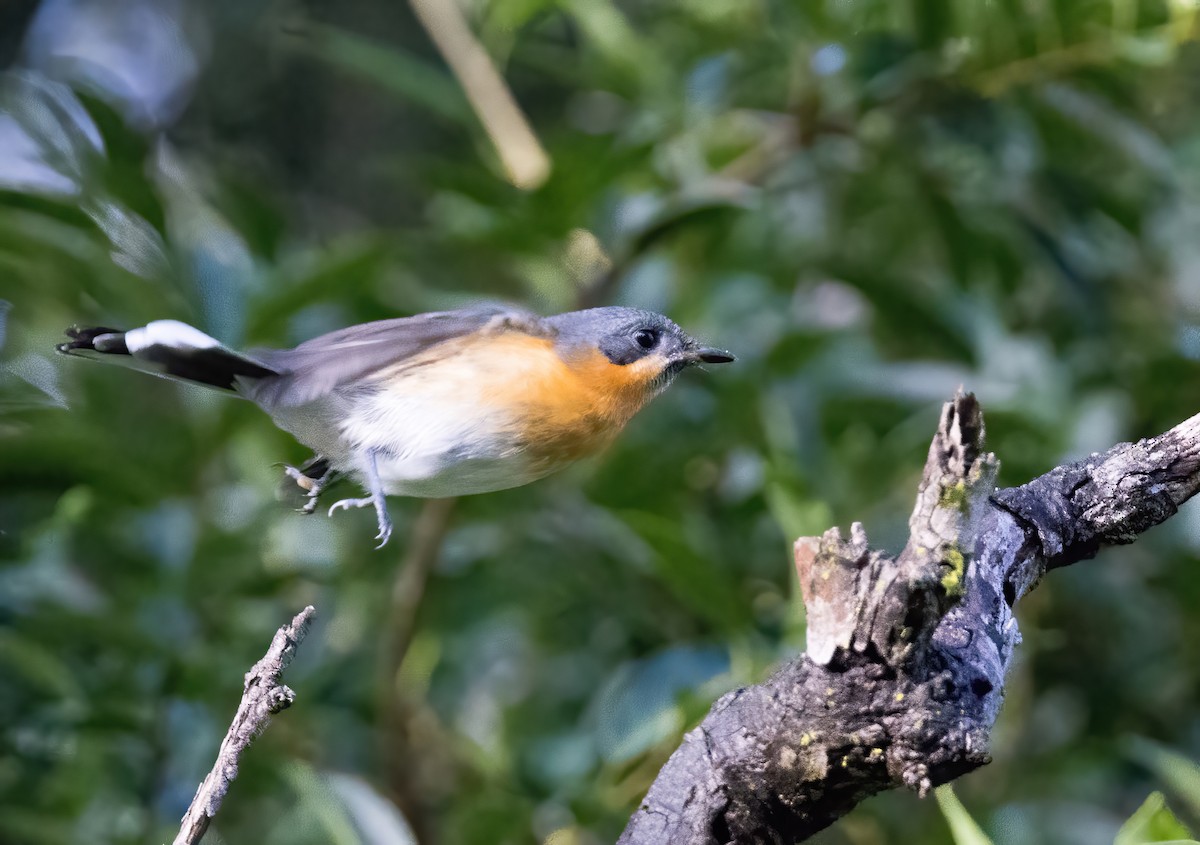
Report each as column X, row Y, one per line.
column 351, row 355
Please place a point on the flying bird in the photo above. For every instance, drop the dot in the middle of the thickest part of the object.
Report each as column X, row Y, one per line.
column 440, row 404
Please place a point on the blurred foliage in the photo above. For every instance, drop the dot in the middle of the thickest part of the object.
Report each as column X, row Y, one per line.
column 1153, row 822
column 870, row 202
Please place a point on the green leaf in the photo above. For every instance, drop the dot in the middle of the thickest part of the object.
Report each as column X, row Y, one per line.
column 963, row 828
column 1180, row 774
column 1153, row 822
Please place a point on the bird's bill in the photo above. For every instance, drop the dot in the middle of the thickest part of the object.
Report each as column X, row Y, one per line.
column 710, row 355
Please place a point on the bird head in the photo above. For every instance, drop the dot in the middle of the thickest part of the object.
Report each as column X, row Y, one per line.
column 629, row 348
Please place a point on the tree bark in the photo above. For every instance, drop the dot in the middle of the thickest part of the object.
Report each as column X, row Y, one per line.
column 904, row 671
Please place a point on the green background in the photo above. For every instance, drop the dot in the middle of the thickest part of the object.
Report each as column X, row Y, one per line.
column 870, row 202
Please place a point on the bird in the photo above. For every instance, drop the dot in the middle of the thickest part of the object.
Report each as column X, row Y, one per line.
column 441, row 404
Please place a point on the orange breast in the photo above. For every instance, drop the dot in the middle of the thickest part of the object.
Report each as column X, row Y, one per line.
column 524, row 397
column 563, row 410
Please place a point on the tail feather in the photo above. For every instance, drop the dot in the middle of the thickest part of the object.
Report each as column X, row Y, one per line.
column 169, row 349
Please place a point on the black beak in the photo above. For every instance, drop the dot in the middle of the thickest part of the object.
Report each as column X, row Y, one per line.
column 713, row 356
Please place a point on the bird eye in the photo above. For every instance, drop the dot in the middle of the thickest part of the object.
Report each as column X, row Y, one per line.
column 646, row 338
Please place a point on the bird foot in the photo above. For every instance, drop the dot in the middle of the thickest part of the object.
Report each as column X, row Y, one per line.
column 385, row 521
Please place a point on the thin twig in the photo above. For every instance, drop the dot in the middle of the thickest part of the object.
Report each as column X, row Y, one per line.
column 394, row 709
column 408, row 589
column 1057, row 61
column 264, row 695
column 524, row 159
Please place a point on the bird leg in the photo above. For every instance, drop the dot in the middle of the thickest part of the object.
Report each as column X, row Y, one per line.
column 375, row 488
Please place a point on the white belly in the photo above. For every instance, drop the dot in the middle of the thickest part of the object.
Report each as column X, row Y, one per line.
column 424, row 448
column 449, row 475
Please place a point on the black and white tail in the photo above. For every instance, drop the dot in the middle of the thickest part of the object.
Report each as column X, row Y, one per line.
column 166, row 348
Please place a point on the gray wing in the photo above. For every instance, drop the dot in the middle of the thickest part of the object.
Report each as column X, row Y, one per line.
column 320, row 366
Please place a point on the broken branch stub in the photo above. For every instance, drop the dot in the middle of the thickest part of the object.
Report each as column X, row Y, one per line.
column 858, row 600
column 879, row 701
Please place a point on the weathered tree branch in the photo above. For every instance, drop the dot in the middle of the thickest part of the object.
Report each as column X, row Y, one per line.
column 264, row 695
column 904, row 673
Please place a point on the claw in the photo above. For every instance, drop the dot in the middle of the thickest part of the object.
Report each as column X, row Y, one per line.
column 385, row 532
column 346, row 504
column 385, row 522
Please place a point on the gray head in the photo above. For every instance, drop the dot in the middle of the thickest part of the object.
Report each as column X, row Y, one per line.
column 630, row 337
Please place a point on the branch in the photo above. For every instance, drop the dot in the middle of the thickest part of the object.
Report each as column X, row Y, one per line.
column 408, row 589
column 407, row 763
column 525, row 160
column 904, row 674
column 264, row 695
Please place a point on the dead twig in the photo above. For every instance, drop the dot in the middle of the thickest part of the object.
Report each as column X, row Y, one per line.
column 264, row 695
